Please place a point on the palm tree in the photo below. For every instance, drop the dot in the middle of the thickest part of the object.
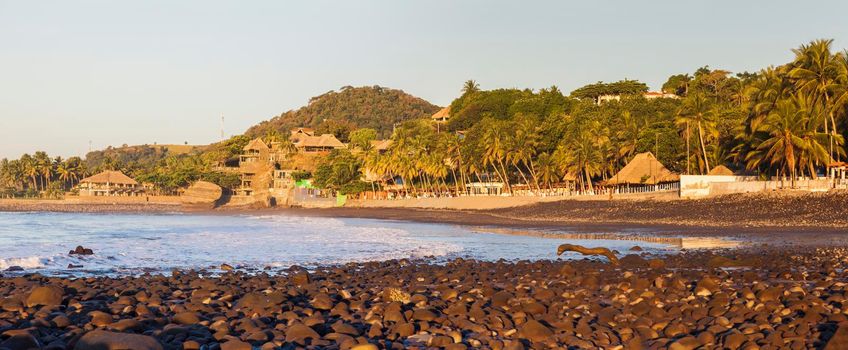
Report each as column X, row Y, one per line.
column 495, row 142
column 546, row 169
column 29, row 169
column 815, row 71
column 522, row 147
column 700, row 111
column 44, row 167
column 793, row 140
column 470, row 87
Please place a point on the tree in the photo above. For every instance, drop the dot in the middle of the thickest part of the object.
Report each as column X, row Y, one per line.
column 470, row 87
column 697, row 110
column 361, row 139
column 793, row 141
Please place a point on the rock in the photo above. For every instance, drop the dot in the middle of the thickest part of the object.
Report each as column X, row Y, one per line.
column 364, row 347
column 72, row 266
column 226, row 267
column 21, row 341
column 236, row 344
column 635, row 248
column 45, row 296
column 300, row 278
column 839, row 340
column 394, row 294
column 298, row 332
column 14, row 268
column 105, row 340
column 534, row 331
column 186, row 318
column 100, row 318
column 80, row 250
column 201, row 194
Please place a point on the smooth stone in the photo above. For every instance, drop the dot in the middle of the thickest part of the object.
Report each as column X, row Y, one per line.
column 105, row 340
column 45, row 296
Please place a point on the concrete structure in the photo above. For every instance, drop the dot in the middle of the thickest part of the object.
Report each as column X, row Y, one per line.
column 699, row 186
column 110, row 183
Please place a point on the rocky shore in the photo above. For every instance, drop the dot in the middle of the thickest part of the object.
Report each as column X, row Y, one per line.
column 753, row 299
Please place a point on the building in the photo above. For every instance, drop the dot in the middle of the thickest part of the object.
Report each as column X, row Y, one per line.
column 644, row 173
column 314, row 144
column 442, row 116
column 381, row 146
column 110, row 183
column 650, row 95
column 254, row 166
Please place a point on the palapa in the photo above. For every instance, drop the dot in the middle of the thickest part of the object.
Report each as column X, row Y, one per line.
column 110, row 177
column 721, row 170
column 644, row 169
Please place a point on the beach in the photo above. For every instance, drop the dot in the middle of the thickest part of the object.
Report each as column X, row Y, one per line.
column 781, row 286
column 766, row 299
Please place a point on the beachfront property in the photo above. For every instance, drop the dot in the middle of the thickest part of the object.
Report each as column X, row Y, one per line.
column 110, row 183
column 644, row 173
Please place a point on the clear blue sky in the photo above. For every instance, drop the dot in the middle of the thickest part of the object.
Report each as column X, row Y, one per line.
column 115, row 72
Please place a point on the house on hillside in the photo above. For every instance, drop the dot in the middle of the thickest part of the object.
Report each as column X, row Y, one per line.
column 442, row 115
column 296, row 133
column 381, row 146
column 644, row 174
column 313, row 144
column 109, row 183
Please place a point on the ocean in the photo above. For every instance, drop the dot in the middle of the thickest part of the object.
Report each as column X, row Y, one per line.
column 132, row 244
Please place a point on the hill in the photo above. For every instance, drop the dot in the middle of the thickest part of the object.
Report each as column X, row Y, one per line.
column 339, row 112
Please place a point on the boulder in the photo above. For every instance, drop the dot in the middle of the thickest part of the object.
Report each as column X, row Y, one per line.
column 201, row 194
column 80, row 250
column 105, row 340
column 45, row 296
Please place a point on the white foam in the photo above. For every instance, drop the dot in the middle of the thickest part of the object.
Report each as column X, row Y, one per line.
column 30, row 262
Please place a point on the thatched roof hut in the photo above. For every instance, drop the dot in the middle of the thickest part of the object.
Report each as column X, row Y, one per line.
column 442, row 115
column 324, row 142
column 256, row 145
column 644, row 169
column 381, row 145
column 112, row 177
column 721, row 170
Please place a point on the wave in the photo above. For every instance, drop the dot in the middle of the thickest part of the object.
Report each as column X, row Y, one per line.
column 30, row 262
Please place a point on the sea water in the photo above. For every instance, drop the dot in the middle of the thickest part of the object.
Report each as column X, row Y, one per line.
column 130, row 244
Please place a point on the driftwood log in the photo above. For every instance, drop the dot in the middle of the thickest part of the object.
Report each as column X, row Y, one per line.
column 588, row 251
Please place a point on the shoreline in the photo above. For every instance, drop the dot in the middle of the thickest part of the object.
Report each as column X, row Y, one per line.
column 730, row 215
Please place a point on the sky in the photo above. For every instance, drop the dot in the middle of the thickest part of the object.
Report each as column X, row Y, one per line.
column 81, row 74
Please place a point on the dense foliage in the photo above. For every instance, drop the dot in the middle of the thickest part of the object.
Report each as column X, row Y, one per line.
column 623, row 87
column 340, row 112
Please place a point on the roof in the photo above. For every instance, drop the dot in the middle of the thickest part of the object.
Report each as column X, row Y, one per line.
column 381, row 145
column 644, row 169
column 443, row 113
column 325, row 140
column 720, row 170
column 110, row 177
column 256, row 144
column 308, row 131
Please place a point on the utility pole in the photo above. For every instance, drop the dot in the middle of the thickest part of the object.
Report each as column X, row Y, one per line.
column 222, row 126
